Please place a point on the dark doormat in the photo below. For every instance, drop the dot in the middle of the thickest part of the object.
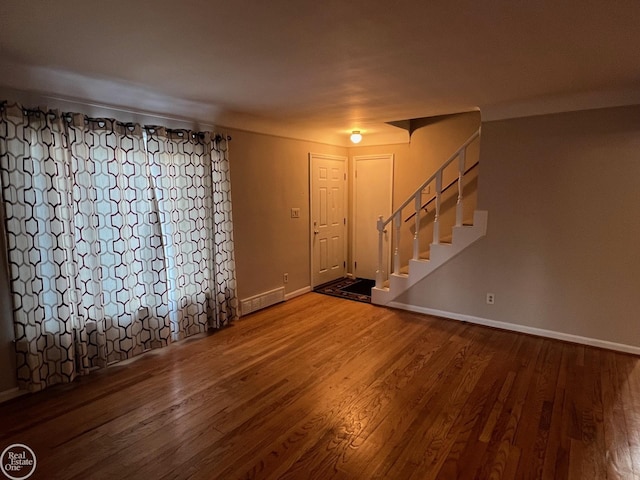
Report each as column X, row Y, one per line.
column 358, row 289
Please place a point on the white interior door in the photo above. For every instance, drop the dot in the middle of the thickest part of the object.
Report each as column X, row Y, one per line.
column 328, row 220
column 372, row 197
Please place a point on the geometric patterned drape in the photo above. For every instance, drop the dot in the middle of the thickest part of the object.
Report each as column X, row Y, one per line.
column 225, row 301
column 194, row 204
column 114, row 245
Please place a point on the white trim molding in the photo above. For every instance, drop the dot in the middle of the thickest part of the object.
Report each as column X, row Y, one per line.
column 539, row 332
column 297, row 293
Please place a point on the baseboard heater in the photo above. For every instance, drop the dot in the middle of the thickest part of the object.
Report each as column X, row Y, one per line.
column 261, row 301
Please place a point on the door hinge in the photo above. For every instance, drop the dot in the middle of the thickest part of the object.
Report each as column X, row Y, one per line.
column 345, row 176
column 344, row 221
column 344, row 264
column 355, row 265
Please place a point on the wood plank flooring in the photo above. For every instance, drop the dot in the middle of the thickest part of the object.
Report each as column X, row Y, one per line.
column 319, row 388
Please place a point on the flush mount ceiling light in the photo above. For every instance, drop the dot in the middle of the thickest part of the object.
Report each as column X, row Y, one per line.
column 356, row 137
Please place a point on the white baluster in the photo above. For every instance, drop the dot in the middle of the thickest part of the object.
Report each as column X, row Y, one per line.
column 461, row 161
column 396, row 251
column 380, row 271
column 416, row 235
column 436, row 220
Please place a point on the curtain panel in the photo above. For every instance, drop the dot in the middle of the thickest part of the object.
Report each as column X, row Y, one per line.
column 119, row 239
column 190, row 175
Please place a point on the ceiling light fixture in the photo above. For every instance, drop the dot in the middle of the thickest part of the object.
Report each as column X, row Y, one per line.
column 356, row 137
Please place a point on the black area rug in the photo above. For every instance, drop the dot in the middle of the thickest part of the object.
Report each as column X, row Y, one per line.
column 358, row 289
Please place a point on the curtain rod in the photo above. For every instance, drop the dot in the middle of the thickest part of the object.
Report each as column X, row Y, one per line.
column 68, row 116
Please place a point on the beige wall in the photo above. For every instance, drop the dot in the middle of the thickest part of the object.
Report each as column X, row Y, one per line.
column 269, row 176
column 561, row 251
column 433, row 140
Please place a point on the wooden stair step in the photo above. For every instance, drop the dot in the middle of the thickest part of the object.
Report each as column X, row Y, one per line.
column 426, row 255
column 447, row 239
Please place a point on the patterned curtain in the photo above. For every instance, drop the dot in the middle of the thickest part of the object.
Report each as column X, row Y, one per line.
column 225, row 300
column 112, row 249
column 195, row 218
column 121, row 287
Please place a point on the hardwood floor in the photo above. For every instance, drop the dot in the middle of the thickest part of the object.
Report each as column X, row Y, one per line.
column 320, row 387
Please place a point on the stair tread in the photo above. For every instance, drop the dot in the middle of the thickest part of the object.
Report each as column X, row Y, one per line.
column 447, row 238
column 426, row 255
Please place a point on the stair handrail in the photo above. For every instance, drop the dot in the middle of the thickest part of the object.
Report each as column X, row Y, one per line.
column 432, row 199
column 460, row 154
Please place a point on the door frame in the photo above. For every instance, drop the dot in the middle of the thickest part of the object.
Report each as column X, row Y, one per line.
column 345, row 160
column 354, row 159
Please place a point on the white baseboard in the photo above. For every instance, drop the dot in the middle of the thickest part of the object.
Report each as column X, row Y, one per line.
column 540, row 332
column 297, row 293
column 11, row 393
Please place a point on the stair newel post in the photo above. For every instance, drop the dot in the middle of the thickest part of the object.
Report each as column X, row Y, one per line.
column 436, row 220
column 461, row 162
column 416, row 235
column 380, row 270
column 396, row 240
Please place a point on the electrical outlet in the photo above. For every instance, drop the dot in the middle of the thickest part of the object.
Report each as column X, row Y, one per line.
column 285, row 278
column 295, row 213
column 491, row 298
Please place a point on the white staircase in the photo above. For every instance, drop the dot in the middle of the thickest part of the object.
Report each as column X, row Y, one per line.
column 420, row 266
column 439, row 254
